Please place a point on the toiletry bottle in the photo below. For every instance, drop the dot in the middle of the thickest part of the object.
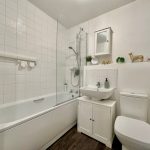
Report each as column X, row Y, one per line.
column 106, row 84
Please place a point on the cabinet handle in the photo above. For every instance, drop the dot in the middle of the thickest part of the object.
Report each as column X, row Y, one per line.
column 90, row 119
column 93, row 120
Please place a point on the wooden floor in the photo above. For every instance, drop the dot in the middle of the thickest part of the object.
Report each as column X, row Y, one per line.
column 73, row 140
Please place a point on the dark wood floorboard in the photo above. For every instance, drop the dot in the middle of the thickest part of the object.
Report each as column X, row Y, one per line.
column 73, row 140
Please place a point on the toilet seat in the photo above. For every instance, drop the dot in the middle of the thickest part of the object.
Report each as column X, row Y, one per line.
column 135, row 130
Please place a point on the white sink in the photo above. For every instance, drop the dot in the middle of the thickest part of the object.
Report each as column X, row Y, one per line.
column 97, row 93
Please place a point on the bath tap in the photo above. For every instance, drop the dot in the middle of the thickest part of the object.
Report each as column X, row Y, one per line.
column 71, row 91
column 77, row 92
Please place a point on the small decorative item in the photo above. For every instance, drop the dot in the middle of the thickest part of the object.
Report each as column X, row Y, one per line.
column 136, row 58
column 148, row 59
column 88, row 60
column 94, row 60
column 22, row 65
column 31, row 65
column 120, row 60
column 105, row 62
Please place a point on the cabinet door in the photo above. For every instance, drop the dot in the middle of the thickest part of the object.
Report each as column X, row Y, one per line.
column 84, row 117
column 101, row 122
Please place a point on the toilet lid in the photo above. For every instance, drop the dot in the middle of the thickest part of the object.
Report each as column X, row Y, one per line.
column 132, row 128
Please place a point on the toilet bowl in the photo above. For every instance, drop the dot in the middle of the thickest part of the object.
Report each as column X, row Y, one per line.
column 131, row 127
column 132, row 133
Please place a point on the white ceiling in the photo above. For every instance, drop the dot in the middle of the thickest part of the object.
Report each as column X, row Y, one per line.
column 73, row 12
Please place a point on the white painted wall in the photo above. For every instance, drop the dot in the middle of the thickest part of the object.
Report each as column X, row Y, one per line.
column 130, row 25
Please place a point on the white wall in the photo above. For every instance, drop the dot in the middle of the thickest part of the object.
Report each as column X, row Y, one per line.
column 130, row 25
column 24, row 29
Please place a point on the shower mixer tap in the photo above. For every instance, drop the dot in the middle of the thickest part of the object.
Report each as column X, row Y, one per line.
column 71, row 91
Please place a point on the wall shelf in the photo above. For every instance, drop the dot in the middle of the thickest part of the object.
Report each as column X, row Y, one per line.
column 17, row 57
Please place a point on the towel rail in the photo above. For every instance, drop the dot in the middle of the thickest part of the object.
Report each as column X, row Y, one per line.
column 17, row 57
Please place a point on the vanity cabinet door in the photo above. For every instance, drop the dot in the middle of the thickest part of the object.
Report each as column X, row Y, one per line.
column 85, row 117
column 101, row 122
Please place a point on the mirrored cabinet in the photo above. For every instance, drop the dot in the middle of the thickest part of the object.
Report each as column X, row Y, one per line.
column 103, row 41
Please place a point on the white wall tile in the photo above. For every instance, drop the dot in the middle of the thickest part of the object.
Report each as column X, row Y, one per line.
column 2, row 8
column 2, row 2
column 26, row 30
column 2, row 19
column 92, row 77
column 2, row 34
column 99, row 75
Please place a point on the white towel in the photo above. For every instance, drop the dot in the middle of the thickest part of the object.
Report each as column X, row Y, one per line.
column 31, row 64
column 22, row 64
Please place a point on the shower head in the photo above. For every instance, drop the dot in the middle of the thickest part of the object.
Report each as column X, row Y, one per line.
column 70, row 47
column 73, row 50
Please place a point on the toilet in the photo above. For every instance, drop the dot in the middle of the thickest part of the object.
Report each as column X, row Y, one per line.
column 131, row 128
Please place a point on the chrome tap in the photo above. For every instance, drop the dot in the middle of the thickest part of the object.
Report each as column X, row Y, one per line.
column 71, row 91
column 98, row 84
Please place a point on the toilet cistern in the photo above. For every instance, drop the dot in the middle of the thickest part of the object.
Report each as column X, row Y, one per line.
column 131, row 127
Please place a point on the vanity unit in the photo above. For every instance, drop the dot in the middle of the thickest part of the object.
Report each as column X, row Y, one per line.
column 96, row 119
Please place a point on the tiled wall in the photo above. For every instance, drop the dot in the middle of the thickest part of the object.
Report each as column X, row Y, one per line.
column 61, row 57
column 81, row 47
column 92, row 76
column 24, row 29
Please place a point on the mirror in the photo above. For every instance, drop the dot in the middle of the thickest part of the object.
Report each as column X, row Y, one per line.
column 103, row 42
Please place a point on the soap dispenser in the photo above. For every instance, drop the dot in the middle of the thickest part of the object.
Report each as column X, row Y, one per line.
column 106, row 84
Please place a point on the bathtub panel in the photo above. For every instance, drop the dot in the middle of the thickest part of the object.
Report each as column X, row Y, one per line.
column 29, row 135
column 34, row 134
column 66, row 115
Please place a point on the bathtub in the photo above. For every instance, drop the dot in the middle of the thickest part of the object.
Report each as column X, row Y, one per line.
column 36, row 123
column 65, row 96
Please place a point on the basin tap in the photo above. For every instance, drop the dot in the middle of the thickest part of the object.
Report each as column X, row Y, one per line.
column 98, row 84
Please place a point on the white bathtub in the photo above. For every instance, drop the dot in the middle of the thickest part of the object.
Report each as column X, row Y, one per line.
column 65, row 96
column 36, row 123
